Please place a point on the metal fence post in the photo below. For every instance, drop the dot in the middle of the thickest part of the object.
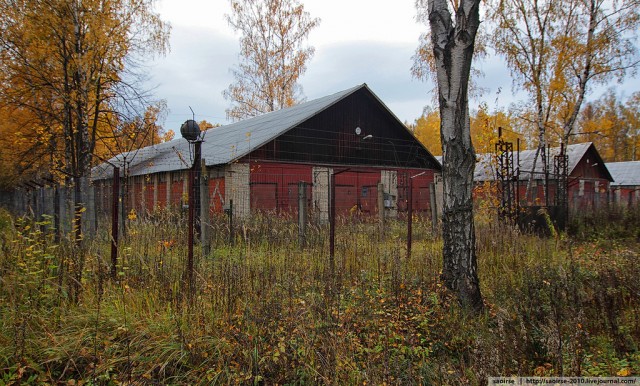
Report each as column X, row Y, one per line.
column 230, row 221
column 409, row 218
column 189, row 285
column 332, row 222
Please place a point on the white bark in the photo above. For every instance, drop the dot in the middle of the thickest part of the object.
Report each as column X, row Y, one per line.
column 453, row 46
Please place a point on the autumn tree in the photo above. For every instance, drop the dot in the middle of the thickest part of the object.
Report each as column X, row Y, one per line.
column 126, row 134
column 484, row 128
column 206, row 125
column 273, row 55
column 70, row 64
column 453, row 41
column 613, row 125
column 427, row 130
column 524, row 36
column 558, row 50
column 595, row 46
column 632, row 116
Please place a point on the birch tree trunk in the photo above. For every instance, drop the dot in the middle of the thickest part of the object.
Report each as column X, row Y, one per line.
column 453, row 45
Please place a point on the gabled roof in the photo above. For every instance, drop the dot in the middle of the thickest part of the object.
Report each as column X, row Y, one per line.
column 224, row 144
column 625, row 173
column 486, row 166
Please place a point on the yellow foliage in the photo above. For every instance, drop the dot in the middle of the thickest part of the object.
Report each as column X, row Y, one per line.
column 132, row 215
column 61, row 66
column 484, row 130
column 613, row 126
column 427, row 131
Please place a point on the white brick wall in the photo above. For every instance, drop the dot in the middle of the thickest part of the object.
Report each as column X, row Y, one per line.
column 236, row 188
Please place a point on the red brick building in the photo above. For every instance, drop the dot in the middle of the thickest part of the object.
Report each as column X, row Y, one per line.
column 259, row 162
column 588, row 176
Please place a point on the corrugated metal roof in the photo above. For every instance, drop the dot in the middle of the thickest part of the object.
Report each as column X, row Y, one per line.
column 486, row 165
column 223, row 144
column 625, row 173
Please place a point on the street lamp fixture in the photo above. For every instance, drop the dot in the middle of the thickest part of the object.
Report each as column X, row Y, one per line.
column 191, row 132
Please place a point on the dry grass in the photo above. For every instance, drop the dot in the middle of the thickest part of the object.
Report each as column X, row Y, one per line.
column 266, row 311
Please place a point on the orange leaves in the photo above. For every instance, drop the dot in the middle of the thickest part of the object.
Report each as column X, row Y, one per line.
column 62, row 63
column 613, row 125
column 427, row 131
column 484, row 129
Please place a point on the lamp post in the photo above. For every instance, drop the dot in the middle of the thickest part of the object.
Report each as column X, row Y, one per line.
column 191, row 132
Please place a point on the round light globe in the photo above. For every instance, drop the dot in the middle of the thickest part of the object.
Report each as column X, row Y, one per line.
column 190, row 130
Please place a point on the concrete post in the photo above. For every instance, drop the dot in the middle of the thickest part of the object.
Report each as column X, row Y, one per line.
column 302, row 212
column 47, row 207
column 66, row 210
column 434, row 206
column 132, row 193
column 143, row 195
column 88, row 219
column 390, row 180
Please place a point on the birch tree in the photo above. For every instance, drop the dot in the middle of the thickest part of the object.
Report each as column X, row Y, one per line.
column 273, row 55
column 596, row 45
column 70, row 65
column 453, row 40
column 558, row 50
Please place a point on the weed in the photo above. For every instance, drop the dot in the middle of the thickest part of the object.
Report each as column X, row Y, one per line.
column 567, row 306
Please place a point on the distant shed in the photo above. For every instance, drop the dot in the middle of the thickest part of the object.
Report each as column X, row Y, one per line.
column 588, row 177
column 625, row 188
column 259, row 162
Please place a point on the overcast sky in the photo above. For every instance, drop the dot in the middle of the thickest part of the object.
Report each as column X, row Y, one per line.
column 357, row 41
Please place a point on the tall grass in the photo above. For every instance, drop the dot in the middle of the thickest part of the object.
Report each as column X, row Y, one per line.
column 262, row 313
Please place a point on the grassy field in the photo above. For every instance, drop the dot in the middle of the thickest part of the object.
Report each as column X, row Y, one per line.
column 266, row 311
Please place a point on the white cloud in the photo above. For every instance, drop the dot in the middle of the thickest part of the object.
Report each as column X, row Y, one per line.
column 194, row 74
column 358, row 41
